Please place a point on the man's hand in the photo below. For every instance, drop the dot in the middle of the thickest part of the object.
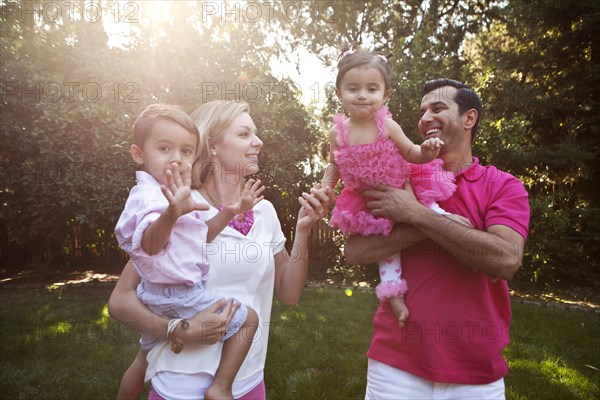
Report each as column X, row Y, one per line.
column 398, row 205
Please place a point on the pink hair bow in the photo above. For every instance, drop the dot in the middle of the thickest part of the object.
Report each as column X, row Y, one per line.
column 347, row 53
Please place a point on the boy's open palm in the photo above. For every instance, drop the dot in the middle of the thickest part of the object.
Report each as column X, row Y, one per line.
column 178, row 192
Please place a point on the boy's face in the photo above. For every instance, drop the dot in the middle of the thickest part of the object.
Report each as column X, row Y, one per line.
column 167, row 143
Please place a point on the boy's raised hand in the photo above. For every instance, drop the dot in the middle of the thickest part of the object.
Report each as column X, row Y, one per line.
column 431, row 147
column 178, row 192
column 251, row 195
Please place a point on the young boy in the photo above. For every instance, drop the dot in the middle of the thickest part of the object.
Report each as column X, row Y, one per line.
column 163, row 230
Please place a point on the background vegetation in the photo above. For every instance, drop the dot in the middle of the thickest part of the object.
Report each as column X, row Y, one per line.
column 74, row 75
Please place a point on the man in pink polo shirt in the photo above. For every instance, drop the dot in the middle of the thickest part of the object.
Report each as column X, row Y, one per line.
column 456, row 270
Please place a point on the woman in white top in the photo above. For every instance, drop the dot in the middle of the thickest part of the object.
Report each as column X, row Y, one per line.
column 247, row 261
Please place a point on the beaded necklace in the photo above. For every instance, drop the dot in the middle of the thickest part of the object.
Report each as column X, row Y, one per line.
column 241, row 222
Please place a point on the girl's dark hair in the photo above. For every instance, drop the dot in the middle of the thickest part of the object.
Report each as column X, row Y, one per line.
column 361, row 58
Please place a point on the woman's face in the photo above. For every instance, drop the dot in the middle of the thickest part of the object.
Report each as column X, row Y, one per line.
column 237, row 151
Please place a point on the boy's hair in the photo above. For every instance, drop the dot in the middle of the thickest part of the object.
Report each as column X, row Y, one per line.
column 364, row 58
column 212, row 119
column 465, row 98
column 144, row 122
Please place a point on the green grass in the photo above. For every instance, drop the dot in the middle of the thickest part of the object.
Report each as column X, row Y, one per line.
column 553, row 351
column 61, row 344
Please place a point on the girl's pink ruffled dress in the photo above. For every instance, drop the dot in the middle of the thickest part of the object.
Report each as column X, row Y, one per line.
column 367, row 165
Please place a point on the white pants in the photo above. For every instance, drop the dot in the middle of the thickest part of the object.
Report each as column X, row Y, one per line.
column 386, row 382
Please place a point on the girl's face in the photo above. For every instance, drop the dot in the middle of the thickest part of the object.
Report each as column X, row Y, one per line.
column 236, row 153
column 167, row 143
column 362, row 92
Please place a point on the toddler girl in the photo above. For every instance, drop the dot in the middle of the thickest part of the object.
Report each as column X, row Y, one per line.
column 369, row 149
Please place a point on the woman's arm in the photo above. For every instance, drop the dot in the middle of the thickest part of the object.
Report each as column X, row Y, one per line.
column 206, row 327
column 291, row 270
column 125, row 307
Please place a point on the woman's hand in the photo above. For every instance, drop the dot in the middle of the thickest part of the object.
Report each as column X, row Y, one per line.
column 209, row 325
column 314, row 206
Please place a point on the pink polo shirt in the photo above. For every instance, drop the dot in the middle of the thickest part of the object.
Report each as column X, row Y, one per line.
column 183, row 259
column 459, row 320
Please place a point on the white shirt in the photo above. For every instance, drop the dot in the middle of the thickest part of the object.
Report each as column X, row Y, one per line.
column 242, row 267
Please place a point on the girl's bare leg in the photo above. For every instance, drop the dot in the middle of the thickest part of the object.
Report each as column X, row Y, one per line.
column 399, row 308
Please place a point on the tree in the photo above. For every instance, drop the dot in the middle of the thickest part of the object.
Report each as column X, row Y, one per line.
column 537, row 69
column 69, row 99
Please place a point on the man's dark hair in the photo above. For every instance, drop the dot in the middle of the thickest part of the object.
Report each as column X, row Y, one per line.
column 465, row 98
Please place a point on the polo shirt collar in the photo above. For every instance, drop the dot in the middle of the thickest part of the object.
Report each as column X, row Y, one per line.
column 473, row 172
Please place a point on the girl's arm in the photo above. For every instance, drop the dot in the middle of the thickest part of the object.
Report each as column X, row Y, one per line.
column 411, row 152
column 291, row 270
column 206, row 327
column 332, row 173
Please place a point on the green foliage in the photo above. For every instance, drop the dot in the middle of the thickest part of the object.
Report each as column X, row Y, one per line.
column 69, row 99
column 65, row 171
column 537, row 73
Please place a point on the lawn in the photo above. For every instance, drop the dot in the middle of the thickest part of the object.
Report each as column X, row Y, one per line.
column 60, row 343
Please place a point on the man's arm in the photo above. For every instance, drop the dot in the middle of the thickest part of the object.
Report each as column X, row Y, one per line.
column 369, row 249
column 497, row 252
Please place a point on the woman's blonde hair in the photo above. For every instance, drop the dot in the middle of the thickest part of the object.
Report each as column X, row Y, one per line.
column 212, row 119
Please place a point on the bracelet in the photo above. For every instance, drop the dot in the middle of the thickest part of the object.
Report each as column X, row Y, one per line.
column 174, row 324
